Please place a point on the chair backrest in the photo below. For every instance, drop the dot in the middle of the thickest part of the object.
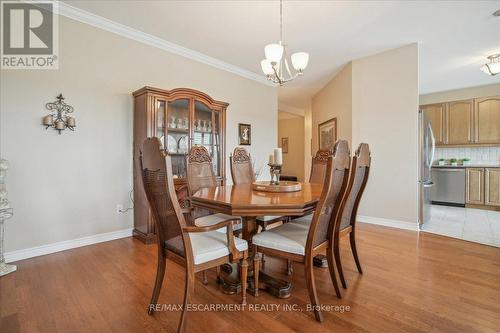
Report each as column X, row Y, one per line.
column 200, row 172
column 318, row 166
column 358, row 178
column 329, row 205
column 159, row 187
column 241, row 166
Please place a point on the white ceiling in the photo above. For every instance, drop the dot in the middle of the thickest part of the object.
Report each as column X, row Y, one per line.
column 454, row 36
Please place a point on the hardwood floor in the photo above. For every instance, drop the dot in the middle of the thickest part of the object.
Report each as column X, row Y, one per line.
column 411, row 283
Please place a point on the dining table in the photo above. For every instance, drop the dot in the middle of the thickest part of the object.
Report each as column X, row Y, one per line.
column 243, row 201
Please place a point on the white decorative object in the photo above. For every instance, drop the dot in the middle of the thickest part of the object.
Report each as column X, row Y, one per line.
column 271, row 159
column 172, row 122
column 185, row 123
column 5, row 213
column 278, row 156
column 276, row 66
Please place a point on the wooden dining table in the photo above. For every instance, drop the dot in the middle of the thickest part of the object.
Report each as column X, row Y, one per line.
column 242, row 200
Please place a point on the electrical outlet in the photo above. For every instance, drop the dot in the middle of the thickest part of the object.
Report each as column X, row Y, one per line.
column 119, row 208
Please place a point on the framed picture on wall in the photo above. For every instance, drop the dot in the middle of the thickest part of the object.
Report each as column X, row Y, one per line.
column 284, row 145
column 244, row 134
column 327, row 134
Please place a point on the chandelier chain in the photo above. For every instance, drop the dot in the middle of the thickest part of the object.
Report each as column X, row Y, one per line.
column 281, row 20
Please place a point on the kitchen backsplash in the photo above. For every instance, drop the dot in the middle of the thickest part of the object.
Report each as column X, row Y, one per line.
column 479, row 155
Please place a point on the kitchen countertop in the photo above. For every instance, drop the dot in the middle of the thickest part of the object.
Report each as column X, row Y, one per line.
column 467, row 166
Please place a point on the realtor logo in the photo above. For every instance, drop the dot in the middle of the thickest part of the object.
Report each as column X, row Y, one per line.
column 29, row 35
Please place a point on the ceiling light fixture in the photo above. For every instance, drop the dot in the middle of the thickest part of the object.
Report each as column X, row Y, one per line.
column 276, row 65
column 493, row 67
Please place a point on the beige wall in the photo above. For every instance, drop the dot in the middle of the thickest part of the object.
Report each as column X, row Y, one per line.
column 458, row 94
column 375, row 100
column 293, row 161
column 384, row 115
column 67, row 186
column 334, row 100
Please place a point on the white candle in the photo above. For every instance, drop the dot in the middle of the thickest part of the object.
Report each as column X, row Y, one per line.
column 271, row 159
column 278, row 156
column 60, row 125
column 48, row 120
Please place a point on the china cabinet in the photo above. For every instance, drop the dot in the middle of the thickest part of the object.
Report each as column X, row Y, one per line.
column 180, row 118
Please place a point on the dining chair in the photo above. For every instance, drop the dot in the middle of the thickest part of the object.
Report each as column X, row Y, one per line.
column 346, row 219
column 200, row 174
column 292, row 241
column 317, row 175
column 360, row 169
column 196, row 248
column 242, row 173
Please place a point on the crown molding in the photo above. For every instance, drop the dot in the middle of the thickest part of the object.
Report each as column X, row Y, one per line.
column 100, row 22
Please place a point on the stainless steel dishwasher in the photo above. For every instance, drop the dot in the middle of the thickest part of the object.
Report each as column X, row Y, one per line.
column 449, row 186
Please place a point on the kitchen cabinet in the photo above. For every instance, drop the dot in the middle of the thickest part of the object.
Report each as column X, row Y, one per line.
column 474, row 192
column 492, row 186
column 458, row 125
column 435, row 114
column 487, row 120
column 466, row 123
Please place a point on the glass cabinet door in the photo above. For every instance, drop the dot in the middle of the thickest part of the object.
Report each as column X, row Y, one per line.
column 177, row 140
column 160, row 120
column 205, row 127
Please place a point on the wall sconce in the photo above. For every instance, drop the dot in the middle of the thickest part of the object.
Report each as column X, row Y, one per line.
column 59, row 119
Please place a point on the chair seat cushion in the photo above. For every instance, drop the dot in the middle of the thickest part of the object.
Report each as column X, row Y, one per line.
column 303, row 221
column 216, row 218
column 288, row 237
column 212, row 245
column 206, row 245
column 267, row 218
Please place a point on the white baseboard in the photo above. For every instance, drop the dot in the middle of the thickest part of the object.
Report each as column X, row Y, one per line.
column 65, row 245
column 388, row 223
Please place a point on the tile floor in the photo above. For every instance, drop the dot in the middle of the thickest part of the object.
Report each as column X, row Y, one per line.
column 476, row 225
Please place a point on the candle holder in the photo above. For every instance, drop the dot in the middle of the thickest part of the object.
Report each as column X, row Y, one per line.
column 59, row 119
column 275, row 170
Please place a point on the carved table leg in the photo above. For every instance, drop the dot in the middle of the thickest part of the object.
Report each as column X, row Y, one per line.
column 230, row 278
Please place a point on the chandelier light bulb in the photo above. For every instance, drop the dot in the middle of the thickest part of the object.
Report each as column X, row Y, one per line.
column 300, row 60
column 267, row 68
column 274, row 52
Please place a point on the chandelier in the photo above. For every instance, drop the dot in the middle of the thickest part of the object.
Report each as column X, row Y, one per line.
column 493, row 67
column 276, row 66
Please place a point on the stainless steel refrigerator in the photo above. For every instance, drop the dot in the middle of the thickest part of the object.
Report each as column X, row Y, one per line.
column 427, row 145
